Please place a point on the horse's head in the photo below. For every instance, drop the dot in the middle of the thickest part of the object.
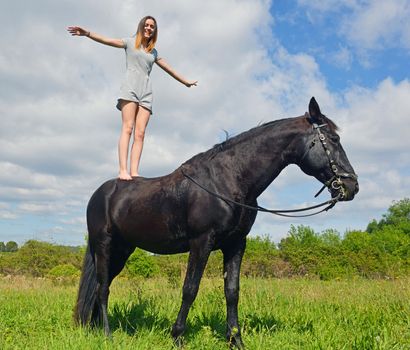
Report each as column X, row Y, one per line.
column 324, row 158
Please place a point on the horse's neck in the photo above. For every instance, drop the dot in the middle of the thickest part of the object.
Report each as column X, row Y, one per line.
column 257, row 163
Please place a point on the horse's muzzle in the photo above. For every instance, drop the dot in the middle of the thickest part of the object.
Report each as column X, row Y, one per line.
column 346, row 189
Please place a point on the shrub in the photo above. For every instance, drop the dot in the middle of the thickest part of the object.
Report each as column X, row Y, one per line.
column 173, row 267
column 37, row 258
column 140, row 263
column 66, row 270
column 262, row 258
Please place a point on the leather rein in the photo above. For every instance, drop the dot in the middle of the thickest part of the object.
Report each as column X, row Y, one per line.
column 334, row 183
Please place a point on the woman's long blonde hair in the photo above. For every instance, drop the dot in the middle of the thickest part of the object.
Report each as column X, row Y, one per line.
column 140, row 33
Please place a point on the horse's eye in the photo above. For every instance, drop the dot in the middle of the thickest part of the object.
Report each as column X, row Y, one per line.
column 335, row 138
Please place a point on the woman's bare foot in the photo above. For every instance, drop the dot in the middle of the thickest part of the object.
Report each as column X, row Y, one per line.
column 123, row 175
column 135, row 175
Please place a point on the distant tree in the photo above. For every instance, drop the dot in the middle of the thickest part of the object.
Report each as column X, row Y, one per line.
column 11, row 246
column 398, row 215
column 300, row 236
column 399, row 211
column 2, row 247
column 357, row 241
column 330, row 237
column 392, row 241
column 373, row 226
column 260, row 245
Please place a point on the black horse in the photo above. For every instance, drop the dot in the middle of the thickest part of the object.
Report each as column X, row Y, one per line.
column 172, row 214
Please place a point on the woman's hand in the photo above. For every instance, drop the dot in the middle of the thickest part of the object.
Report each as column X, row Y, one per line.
column 78, row 31
column 191, row 83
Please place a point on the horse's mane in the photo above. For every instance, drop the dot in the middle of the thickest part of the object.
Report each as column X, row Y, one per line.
column 232, row 141
column 243, row 136
column 251, row 133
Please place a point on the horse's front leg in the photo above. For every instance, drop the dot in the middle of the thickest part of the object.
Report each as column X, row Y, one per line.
column 200, row 248
column 232, row 264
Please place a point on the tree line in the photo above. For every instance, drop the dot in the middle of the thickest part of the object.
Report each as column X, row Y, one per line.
column 8, row 247
column 381, row 251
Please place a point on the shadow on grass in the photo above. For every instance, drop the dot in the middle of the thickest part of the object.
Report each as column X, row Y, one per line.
column 260, row 323
column 214, row 321
column 143, row 314
column 130, row 317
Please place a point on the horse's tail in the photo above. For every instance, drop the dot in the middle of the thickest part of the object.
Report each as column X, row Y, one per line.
column 86, row 309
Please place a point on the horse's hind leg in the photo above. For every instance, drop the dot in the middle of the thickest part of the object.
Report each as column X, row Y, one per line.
column 110, row 258
column 232, row 263
column 200, row 249
column 120, row 252
column 102, row 262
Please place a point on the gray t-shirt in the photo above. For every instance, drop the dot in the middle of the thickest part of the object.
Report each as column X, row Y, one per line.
column 136, row 86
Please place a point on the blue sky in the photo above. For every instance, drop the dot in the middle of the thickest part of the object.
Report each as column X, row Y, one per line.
column 256, row 60
column 321, row 36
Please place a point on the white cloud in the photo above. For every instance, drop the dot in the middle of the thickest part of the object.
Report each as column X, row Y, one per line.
column 377, row 121
column 343, row 58
column 375, row 24
column 80, row 220
column 379, row 24
column 6, row 213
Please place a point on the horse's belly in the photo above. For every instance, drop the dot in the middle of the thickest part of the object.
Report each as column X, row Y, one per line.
column 174, row 247
column 157, row 237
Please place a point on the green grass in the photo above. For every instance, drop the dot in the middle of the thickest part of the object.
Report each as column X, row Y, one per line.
column 274, row 314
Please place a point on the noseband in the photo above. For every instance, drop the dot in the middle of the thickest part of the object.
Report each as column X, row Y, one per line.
column 335, row 182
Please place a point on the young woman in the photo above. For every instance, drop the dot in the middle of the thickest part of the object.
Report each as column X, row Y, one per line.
column 135, row 100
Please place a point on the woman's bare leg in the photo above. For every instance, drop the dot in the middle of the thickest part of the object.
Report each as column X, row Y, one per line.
column 128, row 113
column 141, row 123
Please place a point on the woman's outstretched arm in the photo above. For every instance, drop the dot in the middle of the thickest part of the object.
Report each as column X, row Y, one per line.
column 79, row 31
column 167, row 68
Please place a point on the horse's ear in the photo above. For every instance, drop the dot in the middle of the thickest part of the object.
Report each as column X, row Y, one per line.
column 314, row 111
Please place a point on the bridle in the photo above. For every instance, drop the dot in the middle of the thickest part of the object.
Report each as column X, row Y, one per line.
column 334, row 183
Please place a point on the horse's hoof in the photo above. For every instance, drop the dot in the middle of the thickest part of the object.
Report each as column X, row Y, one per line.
column 108, row 334
column 236, row 345
column 176, row 333
column 179, row 342
column 235, row 342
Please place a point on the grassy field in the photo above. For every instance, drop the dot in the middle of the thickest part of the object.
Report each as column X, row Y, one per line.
column 274, row 314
